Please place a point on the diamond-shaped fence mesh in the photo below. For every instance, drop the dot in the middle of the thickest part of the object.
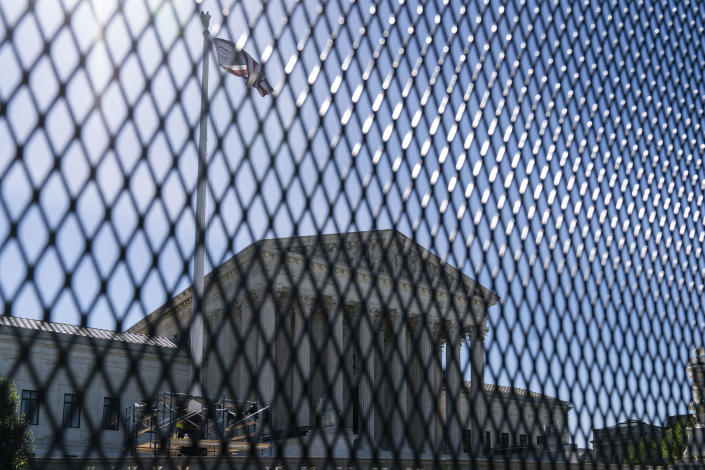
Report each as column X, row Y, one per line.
column 354, row 234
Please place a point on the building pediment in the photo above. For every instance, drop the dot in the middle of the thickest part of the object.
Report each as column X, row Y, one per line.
column 385, row 266
column 385, row 254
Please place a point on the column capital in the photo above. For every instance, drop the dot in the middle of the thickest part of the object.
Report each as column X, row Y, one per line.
column 395, row 316
column 214, row 313
column 478, row 332
column 452, row 331
column 306, row 297
column 234, row 306
column 374, row 313
column 254, row 295
column 349, row 310
column 435, row 329
column 284, row 296
column 414, row 322
column 258, row 294
column 330, row 303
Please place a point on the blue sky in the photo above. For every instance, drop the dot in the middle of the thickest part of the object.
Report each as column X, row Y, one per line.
column 551, row 151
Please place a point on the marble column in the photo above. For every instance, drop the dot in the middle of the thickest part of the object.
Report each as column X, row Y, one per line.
column 319, row 335
column 303, row 325
column 381, row 382
column 349, row 381
column 367, row 382
column 248, row 336
column 284, row 414
column 436, row 372
column 414, row 385
column 266, row 349
column 477, row 377
column 399, row 362
column 234, row 347
column 335, row 376
column 426, row 376
column 453, row 389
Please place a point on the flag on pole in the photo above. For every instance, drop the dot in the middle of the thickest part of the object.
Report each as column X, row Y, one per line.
column 240, row 64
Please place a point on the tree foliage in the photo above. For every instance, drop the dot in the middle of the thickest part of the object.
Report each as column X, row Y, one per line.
column 675, row 440
column 15, row 437
column 665, row 449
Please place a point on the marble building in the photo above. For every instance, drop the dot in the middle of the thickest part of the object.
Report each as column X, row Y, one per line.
column 351, row 340
column 357, row 335
column 75, row 382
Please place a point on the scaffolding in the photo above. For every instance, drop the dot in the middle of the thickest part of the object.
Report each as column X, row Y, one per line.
column 179, row 424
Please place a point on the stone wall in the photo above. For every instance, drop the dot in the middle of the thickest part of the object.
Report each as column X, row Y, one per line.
column 93, row 369
column 516, row 416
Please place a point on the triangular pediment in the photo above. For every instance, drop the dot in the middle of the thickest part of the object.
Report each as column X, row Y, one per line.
column 385, row 258
column 383, row 253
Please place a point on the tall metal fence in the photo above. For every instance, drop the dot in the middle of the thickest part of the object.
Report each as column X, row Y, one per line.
column 433, row 234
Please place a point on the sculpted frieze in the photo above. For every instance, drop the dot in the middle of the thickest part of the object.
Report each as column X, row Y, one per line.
column 377, row 256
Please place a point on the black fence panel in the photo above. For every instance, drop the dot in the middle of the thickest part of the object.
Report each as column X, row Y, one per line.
column 351, row 234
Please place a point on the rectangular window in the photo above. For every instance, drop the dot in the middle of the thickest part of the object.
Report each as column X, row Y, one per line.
column 466, row 440
column 504, row 440
column 30, row 406
column 72, row 412
column 540, row 440
column 111, row 413
column 522, row 440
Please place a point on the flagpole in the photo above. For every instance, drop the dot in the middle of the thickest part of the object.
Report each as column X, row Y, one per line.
column 197, row 293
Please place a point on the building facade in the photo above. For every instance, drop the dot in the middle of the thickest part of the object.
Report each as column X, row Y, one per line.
column 74, row 382
column 349, row 333
column 518, row 423
column 350, row 341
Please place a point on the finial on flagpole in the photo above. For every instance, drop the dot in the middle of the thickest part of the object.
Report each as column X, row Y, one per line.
column 205, row 19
